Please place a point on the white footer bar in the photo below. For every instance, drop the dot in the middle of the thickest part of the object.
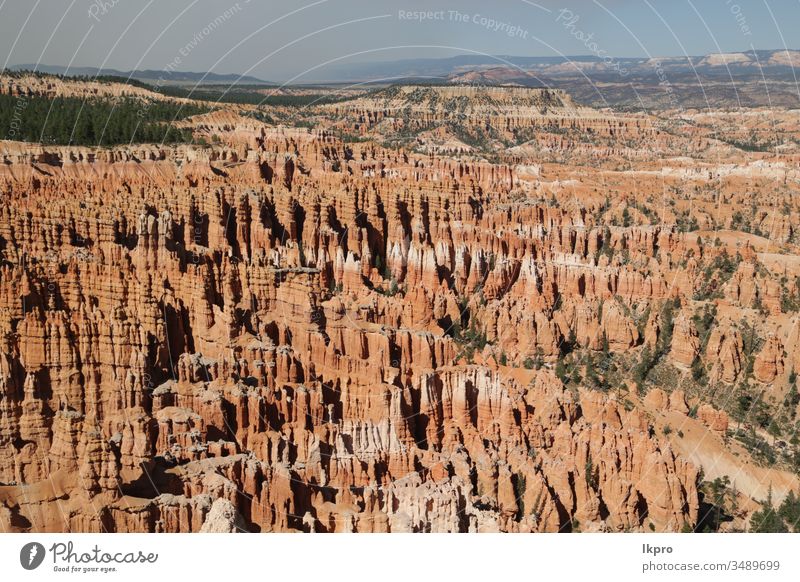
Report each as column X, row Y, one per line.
column 334, row 558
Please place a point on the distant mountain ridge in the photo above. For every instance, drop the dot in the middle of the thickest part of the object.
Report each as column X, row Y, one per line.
column 748, row 62
column 754, row 78
column 147, row 75
column 781, row 62
column 718, row 80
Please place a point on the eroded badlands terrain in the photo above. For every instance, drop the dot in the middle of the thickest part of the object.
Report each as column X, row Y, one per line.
column 421, row 309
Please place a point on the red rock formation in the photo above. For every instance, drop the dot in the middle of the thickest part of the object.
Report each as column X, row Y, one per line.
column 769, row 361
column 725, row 351
column 716, row 420
column 685, row 345
column 287, row 332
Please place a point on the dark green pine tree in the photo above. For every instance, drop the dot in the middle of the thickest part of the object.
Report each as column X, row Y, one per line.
column 767, row 519
column 790, row 510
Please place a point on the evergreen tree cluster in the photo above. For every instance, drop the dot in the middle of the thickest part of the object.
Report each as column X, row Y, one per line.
column 777, row 520
column 649, row 358
column 94, row 122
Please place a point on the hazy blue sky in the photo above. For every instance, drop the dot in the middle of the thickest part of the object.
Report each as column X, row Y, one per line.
column 282, row 40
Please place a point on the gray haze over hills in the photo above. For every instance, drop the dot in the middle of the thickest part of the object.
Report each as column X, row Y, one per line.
column 318, row 40
column 744, row 79
column 147, row 76
column 522, row 69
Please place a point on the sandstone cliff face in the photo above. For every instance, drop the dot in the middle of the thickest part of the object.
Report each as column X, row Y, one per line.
column 769, row 363
column 725, row 349
column 685, row 345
